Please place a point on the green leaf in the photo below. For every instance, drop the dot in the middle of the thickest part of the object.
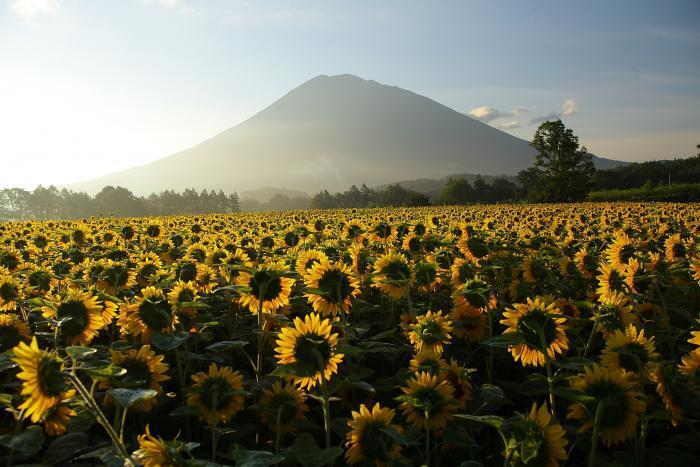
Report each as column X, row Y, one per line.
column 79, row 352
column 246, row 458
column 226, row 346
column 65, row 447
column 104, row 372
column 128, row 397
column 503, row 341
column 6, row 400
column 491, row 420
column 6, row 362
column 167, row 342
column 24, row 445
column 306, row 452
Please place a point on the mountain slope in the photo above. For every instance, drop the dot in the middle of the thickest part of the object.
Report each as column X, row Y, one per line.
column 329, row 133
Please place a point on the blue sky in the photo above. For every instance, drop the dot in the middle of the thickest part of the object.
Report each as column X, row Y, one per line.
column 91, row 87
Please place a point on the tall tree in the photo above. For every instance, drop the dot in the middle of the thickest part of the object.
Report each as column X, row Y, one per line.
column 562, row 169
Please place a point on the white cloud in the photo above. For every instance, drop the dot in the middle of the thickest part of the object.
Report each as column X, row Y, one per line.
column 509, row 125
column 488, row 114
column 568, row 107
column 29, row 8
column 163, row 3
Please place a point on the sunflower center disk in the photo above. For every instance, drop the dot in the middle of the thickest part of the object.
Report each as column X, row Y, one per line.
column 373, row 443
column 529, row 325
column 614, row 398
column 9, row 337
column 78, row 314
column 312, row 353
column 272, row 285
column 8, row 292
column 335, row 285
column 49, row 377
column 216, row 393
column 155, row 314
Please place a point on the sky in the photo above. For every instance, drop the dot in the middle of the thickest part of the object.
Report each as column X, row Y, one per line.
column 93, row 87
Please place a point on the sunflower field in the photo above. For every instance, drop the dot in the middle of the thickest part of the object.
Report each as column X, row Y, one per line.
column 561, row 334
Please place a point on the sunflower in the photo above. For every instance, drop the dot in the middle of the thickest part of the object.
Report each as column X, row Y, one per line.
column 428, row 361
column 675, row 249
column 147, row 266
column 218, row 394
column 615, row 314
column 12, row 331
column 382, row 232
column 527, row 318
column 626, row 349
column 636, row 278
column 146, row 314
column 354, row 230
column 269, row 283
column 332, row 287
column 205, row 277
column 361, row 260
column 534, row 269
column 42, row 379
column 537, row 427
column 586, row 263
column 156, row 452
column 307, row 259
column 473, row 248
column 368, row 441
column 619, row 252
column 475, row 292
column 461, row 271
column 611, row 280
column 40, row 281
column 181, row 295
column 283, row 406
column 116, row 277
column 430, row 332
column 458, row 378
column 57, row 417
column 309, row 348
column 469, row 323
column 144, row 370
column 84, row 313
column 10, row 292
column 695, row 268
column 428, row 402
column 666, row 377
column 690, row 364
column 622, row 405
column 393, row 275
column 231, row 264
column 411, row 243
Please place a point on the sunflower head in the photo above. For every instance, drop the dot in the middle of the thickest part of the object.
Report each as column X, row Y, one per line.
column 622, row 405
column 534, row 438
column 79, row 314
column 428, row 402
column 270, row 288
column 331, row 287
column 368, row 440
column 218, row 394
column 393, row 275
column 431, row 331
column 42, row 379
column 144, row 370
column 154, row 451
column 307, row 350
column 282, row 406
column 629, row 350
column 13, row 330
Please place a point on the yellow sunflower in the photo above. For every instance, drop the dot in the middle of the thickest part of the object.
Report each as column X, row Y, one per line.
column 611, row 280
column 155, row 452
column 218, row 394
column 181, row 295
column 614, row 314
column 307, row 259
column 540, row 428
column 57, row 417
column 393, row 275
column 428, row 402
column 10, row 292
column 666, row 376
column 332, row 287
column 619, row 252
column 283, row 406
column 675, row 249
column 469, row 323
column 42, row 379
column 586, row 263
column 622, row 404
column 526, row 318
column 621, row 348
column 269, row 283
column 431, row 331
column 231, row 264
column 427, row 361
column 12, row 331
column 84, row 311
column 116, row 277
column 144, row 370
column 360, row 257
column 367, row 440
column 146, row 314
column 458, row 378
column 309, row 348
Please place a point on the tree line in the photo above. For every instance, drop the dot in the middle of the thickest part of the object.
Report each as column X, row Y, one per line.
column 365, row 197
column 51, row 203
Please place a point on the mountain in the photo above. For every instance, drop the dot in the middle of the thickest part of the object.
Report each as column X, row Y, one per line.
column 329, row 133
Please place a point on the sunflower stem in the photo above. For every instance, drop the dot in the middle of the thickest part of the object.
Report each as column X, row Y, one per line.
column 261, row 297
column 427, row 439
column 121, row 425
column 594, row 440
column 590, row 338
column 489, row 362
column 101, row 419
column 326, row 411
column 278, row 433
column 214, row 442
column 550, row 377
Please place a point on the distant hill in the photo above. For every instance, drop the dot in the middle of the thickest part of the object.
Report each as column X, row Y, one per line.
column 329, row 133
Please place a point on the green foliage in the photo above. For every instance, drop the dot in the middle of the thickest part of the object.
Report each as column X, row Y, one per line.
column 393, row 195
column 650, row 174
column 680, row 192
column 562, row 169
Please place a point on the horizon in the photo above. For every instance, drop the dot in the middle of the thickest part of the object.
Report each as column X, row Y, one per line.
column 93, row 89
